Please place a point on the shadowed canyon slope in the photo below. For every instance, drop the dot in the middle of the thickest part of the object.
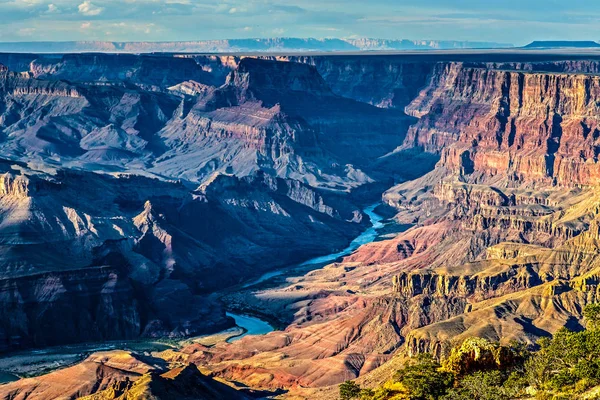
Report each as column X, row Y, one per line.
column 147, row 197
column 94, row 257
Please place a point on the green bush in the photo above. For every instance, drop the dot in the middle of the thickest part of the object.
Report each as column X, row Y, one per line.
column 349, row 390
column 424, row 379
column 490, row 385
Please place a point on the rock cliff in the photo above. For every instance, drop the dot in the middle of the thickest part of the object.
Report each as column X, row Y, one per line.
column 528, row 126
column 505, row 242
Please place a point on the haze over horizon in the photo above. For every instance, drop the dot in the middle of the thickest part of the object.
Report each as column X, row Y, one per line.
column 516, row 22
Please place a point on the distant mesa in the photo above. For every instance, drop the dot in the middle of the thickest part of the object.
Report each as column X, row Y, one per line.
column 259, row 45
column 547, row 44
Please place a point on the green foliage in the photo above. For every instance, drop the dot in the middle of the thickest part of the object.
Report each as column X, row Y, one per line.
column 569, row 362
column 366, row 394
column 565, row 367
column 491, row 385
column 591, row 313
column 424, row 379
column 349, row 390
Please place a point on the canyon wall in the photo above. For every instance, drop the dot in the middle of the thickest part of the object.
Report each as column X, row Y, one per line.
column 527, row 126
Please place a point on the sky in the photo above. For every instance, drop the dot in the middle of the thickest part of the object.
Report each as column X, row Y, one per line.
column 507, row 21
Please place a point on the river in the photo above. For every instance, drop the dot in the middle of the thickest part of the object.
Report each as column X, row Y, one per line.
column 6, row 377
column 255, row 326
column 252, row 325
column 366, row 237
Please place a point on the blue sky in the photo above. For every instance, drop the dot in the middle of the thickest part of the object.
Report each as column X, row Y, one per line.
column 512, row 21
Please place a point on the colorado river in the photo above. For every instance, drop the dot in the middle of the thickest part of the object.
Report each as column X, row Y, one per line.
column 6, row 377
column 252, row 325
column 366, row 237
column 256, row 326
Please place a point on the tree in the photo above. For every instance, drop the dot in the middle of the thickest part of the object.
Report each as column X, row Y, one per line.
column 591, row 313
column 424, row 379
column 568, row 363
column 349, row 390
column 491, row 385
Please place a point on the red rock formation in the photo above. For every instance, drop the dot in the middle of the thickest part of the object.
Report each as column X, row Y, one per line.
column 526, row 125
column 505, row 243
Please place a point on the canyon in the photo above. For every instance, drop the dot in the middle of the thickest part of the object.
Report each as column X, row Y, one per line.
column 144, row 197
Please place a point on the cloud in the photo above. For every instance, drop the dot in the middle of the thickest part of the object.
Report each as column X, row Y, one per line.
column 28, row 2
column 26, row 31
column 88, row 9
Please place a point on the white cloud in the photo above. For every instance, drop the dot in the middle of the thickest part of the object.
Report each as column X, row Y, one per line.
column 52, row 8
column 89, row 9
column 26, row 32
column 85, row 25
column 28, row 2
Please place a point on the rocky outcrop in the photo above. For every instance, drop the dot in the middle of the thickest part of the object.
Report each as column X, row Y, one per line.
column 121, row 375
column 387, row 82
column 181, row 118
column 21, row 84
column 98, row 372
column 475, row 287
column 180, row 382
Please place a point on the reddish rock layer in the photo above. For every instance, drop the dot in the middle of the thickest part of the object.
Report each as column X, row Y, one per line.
column 530, row 126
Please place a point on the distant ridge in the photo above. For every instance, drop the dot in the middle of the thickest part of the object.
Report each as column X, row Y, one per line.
column 244, row 45
column 542, row 44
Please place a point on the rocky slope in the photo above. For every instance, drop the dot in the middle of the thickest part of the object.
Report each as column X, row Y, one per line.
column 526, row 125
column 280, row 117
column 121, row 375
column 185, row 383
column 124, row 113
column 97, row 372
